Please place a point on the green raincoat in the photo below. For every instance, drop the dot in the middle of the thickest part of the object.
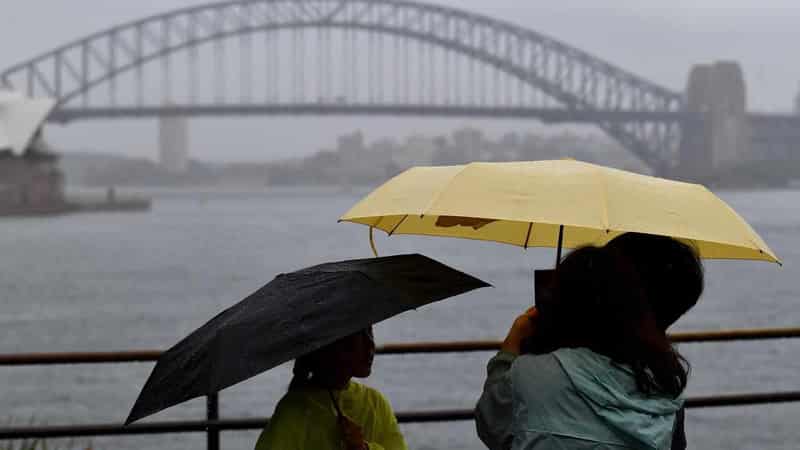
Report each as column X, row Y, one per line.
column 306, row 419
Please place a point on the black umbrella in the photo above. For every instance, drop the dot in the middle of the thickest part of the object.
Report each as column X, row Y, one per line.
column 292, row 315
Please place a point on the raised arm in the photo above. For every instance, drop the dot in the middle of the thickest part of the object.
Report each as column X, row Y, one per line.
column 493, row 413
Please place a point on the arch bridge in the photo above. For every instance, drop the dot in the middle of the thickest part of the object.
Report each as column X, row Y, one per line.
column 358, row 57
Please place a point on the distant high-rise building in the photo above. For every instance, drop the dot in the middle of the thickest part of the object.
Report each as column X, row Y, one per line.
column 173, row 144
column 797, row 103
column 351, row 143
column 469, row 143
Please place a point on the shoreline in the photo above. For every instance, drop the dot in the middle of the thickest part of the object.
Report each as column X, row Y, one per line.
column 94, row 191
column 79, row 207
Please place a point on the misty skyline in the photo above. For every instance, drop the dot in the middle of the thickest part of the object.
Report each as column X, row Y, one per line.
column 656, row 40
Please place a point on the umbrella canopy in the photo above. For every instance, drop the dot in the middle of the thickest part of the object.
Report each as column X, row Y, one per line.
column 292, row 315
column 527, row 203
column 20, row 117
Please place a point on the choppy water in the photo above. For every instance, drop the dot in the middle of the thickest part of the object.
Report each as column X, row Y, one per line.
column 109, row 282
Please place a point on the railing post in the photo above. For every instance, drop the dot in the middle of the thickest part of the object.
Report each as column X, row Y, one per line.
column 212, row 414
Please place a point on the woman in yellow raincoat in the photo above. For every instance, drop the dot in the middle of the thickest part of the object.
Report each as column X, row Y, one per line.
column 325, row 409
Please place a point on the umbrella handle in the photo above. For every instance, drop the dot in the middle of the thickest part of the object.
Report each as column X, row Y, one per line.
column 335, row 404
column 372, row 242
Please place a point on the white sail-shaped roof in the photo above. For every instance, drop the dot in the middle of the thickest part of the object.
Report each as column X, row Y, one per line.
column 20, row 117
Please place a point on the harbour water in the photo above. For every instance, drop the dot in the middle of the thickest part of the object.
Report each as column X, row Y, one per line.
column 107, row 282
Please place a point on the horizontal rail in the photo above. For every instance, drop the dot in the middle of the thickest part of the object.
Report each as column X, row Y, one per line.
column 759, row 398
column 448, row 415
column 744, row 334
column 32, row 359
column 197, row 426
column 23, row 359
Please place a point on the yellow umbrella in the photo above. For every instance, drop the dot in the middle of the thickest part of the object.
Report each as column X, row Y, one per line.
column 550, row 203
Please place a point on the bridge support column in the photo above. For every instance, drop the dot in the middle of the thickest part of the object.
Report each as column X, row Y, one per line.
column 723, row 138
column 797, row 103
column 173, row 143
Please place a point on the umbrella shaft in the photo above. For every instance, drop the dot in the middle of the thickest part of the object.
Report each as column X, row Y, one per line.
column 560, row 243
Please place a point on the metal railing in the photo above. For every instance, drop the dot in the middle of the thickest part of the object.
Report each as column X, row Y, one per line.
column 213, row 425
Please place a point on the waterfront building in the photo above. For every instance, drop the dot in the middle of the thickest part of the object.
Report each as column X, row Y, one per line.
column 417, row 150
column 32, row 181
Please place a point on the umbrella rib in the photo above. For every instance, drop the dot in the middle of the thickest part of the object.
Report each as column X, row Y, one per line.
column 398, row 224
column 440, row 191
column 528, row 236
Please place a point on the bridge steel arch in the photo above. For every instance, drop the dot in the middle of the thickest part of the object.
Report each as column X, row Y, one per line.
column 576, row 80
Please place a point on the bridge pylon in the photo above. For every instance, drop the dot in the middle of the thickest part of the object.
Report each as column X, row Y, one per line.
column 718, row 92
column 173, row 143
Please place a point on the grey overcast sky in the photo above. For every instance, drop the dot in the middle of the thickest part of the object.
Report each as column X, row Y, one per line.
column 657, row 39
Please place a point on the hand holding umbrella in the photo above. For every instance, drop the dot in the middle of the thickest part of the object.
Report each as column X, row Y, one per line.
column 352, row 436
column 524, row 327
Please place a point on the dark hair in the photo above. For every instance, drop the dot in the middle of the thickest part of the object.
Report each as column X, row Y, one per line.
column 671, row 272
column 599, row 303
column 310, row 364
column 302, row 371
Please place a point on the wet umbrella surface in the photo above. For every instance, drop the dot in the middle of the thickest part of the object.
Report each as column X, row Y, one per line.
column 290, row 316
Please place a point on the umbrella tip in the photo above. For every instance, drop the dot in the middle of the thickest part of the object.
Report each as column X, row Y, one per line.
column 134, row 415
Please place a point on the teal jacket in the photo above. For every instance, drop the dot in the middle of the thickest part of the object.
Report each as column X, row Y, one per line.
column 571, row 399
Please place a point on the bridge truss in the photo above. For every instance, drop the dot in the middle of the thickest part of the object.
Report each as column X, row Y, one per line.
column 388, row 57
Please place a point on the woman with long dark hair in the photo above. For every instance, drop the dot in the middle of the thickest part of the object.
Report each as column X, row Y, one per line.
column 672, row 274
column 325, row 409
column 590, row 369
